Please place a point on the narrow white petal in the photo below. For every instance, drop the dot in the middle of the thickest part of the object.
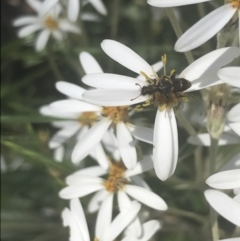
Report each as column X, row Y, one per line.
column 234, row 163
column 144, row 165
column 24, row 20
column 75, row 192
column 100, row 156
column 230, row 75
column 58, row 153
column 77, row 212
column 89, row 64
column 75, row 106
column 71, row 90
column 42, row 39
column 61, row 136
column 35, row 5
column 149, row 229
column 25, row 31
column 89, row 141
column 230, row 239
column 205, row 29
column 79, row 181
column 147, row 197
column 47, row 5
column 104, row 217
column 91, row 17
column 121, row 221
column 46, row 110
column 210, row 63
column 82, row 132
column 157, row 66
column 142, row 133
column 94, row 171
column 204, row 140
column 134, row 227
column 113, row 81
column 225, row 180
column 237, row 198
column 126, row 146
column 126, row 57
column 73, row 9
column 165, row 141
column 96, row 200
column 224, row 205
column 173, row 3
column 235, row 127
column 234, row 114
column 99, row 6
column 67, row 26
column 114, row 97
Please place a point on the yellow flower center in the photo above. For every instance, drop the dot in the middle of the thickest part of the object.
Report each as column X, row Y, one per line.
column 51, row 23
column 116, row 180
column 235, row 3
column 119, row 113
column 87, row 118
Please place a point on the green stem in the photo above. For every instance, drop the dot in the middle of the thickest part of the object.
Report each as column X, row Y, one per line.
column 178, row 31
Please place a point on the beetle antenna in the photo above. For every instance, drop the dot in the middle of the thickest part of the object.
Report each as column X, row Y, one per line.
column 136, row 97
column 138, row 85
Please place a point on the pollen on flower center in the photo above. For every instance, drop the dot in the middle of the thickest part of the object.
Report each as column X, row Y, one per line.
column 235, row 3
column 116, row 180
column 119, row 113
column 87, row 118
column 51, row 23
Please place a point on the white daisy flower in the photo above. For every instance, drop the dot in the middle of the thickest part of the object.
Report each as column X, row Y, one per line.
column 230, row 75
column 121, row 90
column 226, row 206
column 106, row 229
column 47, row 21
column 207, row 27
column 119, row 180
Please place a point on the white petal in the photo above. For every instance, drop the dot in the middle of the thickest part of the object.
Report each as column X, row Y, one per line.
column 89, row 64
column 230, row 239
column 173, row 3
column 89, row 141
column 230, row 75
column 77, row 212
column 91, row 17
column 237, row 198
column 66, row 26
column 204, row 140
column 165, row 139
column 35, row 5
column 235, row 127
column 126, row 57
column 46, row 110
column 61, row 136
column 121, row 221
column 75, row 192
column 99, row 6
column 58, row 153
column 224, row 205
column 94, row 171
column 75, row 106
column 82, row 132
column 144, row 165
column 123, row 202
column 110, row 143
column 113, row 81
column 79, row 181
column 100, row 156
column 210, row 63
column 157, row 66
column 142, row 133
column 140, row 182
column 205, row 29
column 73, row 9
column 149, row 229
column 147, row 197
column 114, row 97
column 71, row 90
column 126, row 146
column 24, row 20
column 42, row 39
column 225, row 180
column 47, row 5
column 96, row 200
column 234, row 163
column 234, row 114
column 104, row 217
column 25, row 31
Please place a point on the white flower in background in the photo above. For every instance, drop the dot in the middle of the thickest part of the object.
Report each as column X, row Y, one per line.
column 226, row 206
column 117, row 90
column 106, row 229
column 230, row 75
column 207, row 27
column 47, row 21
column 233, row 118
